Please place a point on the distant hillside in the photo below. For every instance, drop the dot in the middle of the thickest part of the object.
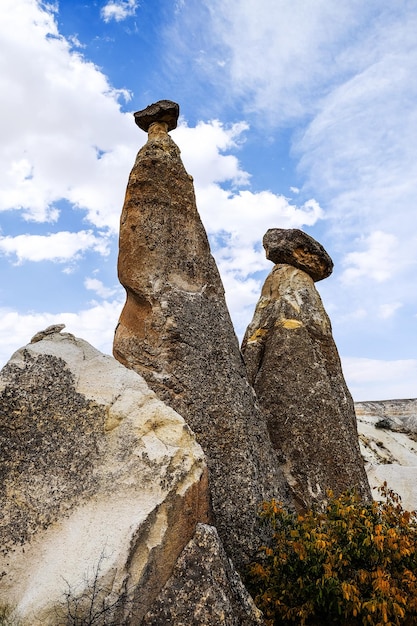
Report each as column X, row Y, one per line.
column 388, row 440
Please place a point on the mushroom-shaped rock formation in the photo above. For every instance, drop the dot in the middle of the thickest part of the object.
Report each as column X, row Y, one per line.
column 296, row 248
column 164, row 111
column 175, row 330
column 294, row 367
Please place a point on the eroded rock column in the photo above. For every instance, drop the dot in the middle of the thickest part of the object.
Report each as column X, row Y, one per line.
column 175, row 330
column 294, row 367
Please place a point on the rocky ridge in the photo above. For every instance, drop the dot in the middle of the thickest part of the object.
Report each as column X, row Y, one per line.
column 388, row 441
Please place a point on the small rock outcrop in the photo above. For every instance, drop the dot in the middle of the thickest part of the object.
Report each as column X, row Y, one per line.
column 294, row 367
column 100, row 481
column 175, row 330
column 204, row 589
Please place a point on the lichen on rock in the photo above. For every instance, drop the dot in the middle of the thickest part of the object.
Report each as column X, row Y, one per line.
column 94, row 469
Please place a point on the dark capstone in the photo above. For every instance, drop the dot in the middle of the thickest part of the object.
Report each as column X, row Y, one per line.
column 296, row 248
column 161, row 111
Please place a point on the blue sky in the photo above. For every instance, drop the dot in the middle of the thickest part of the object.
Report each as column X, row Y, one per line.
column 293, row 115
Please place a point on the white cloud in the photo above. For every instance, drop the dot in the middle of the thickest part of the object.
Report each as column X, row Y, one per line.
column 389, row 309
column 373, row 379
column 95, row 324
column 93, row 284
column 344, row 76
column 203, row 147
column 63, row 133
column 358, row 153
column 277, row 56
column 58, row 247
column 376, row 261
column 236, row 219
column 118, row 10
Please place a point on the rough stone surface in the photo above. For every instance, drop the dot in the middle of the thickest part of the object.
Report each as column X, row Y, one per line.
column 204, row 589
column 175, row 330
column 294, row 247
column 294, row 366
column 164, row 111
column 388, row 440
column 95, row 470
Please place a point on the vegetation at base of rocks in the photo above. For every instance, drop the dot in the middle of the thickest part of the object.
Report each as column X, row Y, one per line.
column 349, row 563
column 95, row 605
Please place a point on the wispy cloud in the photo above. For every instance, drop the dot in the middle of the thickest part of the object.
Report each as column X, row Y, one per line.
column 118, row 10
column 389, row 309
column 236, row 217
column 96, row 285
column 277, row 58
column 373, row 379
column 377, row 260
column 72, row 142
column 58, row 247
column 95, row 324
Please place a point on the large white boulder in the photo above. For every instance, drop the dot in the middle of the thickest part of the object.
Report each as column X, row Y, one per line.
column 101, row 482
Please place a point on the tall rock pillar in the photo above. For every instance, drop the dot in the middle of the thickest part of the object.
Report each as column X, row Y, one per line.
column 294, row 367
column 175, row 330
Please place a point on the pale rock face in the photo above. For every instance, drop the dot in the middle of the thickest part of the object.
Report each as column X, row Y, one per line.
column 175, row 330
column 204, row 589
column 388, row 440
column 96, row 471
column 294, row 367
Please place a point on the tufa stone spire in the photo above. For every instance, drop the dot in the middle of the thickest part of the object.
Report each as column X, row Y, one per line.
column 294, row 367
column 175, row 330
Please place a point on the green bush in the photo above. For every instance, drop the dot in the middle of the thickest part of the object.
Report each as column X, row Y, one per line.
column 350, row 563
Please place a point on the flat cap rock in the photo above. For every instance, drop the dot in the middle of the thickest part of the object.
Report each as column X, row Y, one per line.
column 161, row 111
column 294, row 247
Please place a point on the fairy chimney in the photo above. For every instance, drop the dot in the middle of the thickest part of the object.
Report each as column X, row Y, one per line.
column 175, row 330
column 294, row 366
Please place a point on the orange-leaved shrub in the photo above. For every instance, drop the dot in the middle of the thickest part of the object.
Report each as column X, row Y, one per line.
column 348, row 563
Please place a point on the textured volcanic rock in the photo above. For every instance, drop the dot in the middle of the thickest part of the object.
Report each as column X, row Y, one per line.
column 204, row 589
column 294, row 247
column 97, row 477
column 294, row 366
column 175, row 330
column 164, row 111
